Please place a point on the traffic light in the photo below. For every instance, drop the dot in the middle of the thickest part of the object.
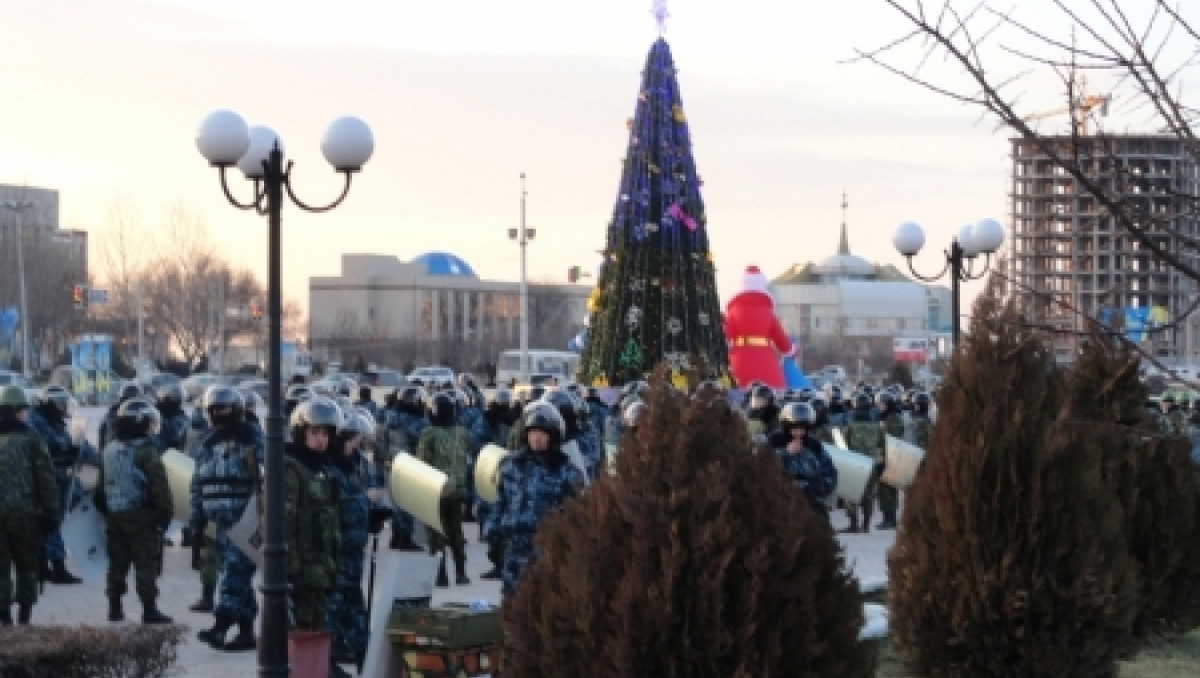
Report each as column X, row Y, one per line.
column 573, row 274
column 79, row 295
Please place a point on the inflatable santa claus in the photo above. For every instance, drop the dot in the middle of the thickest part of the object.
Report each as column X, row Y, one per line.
column 757, row 341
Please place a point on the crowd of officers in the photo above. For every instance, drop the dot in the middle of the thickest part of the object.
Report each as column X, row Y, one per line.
column 339, row 449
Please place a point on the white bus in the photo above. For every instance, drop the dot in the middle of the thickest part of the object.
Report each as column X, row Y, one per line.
column 544, row 365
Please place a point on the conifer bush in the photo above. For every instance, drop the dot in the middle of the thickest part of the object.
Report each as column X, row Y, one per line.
column 697, row 560
column 1154, row 480
column 1011, row 558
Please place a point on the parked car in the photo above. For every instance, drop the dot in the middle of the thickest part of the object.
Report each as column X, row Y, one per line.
column 436, row 374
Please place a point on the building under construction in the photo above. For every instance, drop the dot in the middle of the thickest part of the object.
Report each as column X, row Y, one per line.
column 1073, row 260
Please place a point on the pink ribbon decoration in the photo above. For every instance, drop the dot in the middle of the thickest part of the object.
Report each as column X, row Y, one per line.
column 679, row 215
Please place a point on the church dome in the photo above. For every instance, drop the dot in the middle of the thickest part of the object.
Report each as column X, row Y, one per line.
column 845, row 264
column 444, row 263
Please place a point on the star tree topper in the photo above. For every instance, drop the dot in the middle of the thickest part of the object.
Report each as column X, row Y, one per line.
column 659, row 9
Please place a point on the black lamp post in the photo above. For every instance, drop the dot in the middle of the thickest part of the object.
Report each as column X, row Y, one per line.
column 972, row 240
column 225, row 140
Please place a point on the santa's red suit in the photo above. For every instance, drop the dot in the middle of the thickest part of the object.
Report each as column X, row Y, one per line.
column 756, row 339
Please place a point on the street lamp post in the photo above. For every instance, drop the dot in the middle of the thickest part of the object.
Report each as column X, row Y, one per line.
column 225, row 140
column 523, row 236
column 984, row 237
column 18, row 207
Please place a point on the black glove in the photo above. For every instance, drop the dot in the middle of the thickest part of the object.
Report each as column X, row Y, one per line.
column 377, row 517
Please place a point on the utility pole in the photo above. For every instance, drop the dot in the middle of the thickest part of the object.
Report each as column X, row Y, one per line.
column 141, row 325
column 18, row 207
column 524, row 291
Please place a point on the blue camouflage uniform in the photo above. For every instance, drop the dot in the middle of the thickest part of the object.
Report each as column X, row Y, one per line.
column 597, row 415
column 346, row 608
column 811, row 471
column 409, row 427
column 471, row 419
column 227, row 471
column 494, row 431
column 591, row 448
column 51, row 426
column 532, row 485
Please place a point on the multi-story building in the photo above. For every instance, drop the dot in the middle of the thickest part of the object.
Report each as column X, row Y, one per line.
column 433, row 309
column 1072, row 261
column 54, row 261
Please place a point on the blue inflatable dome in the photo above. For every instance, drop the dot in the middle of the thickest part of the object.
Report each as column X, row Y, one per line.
column 444, row 263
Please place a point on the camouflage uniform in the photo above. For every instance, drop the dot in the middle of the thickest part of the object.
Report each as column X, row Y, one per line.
column 919, row 429
column 226, row 478
column 865, row 437
column 1179, row 422
column 446, row 448
column 889, row 497
column 29, row 508
column 312, row 534
column 49, row 423
column 471, row 420
column 812, row 472
column 175, row 426
column 134, row 494
column 346, row 608
column 532, row 485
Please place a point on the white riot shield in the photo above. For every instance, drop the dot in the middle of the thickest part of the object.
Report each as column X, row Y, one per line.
column 77, row 429
column 487, row 471
column 903, row 461
column 839, row 439
column 854, row 473
column 417, row 488
column 83, row 533
column 610, row 455
column 245, row 533
column 180, row 469
column 575, row 457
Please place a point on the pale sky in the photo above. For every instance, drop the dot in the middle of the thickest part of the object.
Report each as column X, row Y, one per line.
column 100, row 99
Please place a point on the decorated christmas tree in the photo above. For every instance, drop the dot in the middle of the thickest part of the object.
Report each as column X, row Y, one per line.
column 656, row 295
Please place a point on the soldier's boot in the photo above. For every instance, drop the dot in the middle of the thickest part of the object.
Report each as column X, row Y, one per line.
column 491, row 574
column 403, row 542
column 45, row 570
column 468, row 515
column 60, row 575
column 889, row 521
column 205, row 604
column 152, row 615
column 244, row 640
column 216, row 635
column 442, row 581
column 852, row 527
column 24, row 612
column 115, row 612
column 187, row 538
column 6, row 615
column 866, row 522
column 460, row 573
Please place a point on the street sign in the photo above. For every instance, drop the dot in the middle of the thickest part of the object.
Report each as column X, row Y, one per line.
column 96, row 296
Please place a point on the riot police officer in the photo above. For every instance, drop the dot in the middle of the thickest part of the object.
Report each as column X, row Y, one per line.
column 227, row 476
column 175, row 422
column 49, row 419
column 804, row 458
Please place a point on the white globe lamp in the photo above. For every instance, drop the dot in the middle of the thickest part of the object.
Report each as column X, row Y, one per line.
column 909, row 238
column 262, row 141
column 988, row 235
column 348, row 144
column 222, row 138
column 966, row 240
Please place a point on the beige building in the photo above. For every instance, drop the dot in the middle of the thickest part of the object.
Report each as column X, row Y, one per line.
column 432, row 310
column 844, row 309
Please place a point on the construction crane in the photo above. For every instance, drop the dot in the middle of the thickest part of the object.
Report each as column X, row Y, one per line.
column 1080, row 108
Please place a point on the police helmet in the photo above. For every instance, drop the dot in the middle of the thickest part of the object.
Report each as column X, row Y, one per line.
column 59, row 396
column 442, row 406
column 761, row 397
column 168, row 393
column 633, row 414
column 806, row 394
column 465, row 381
column 411, row 396
column 128, row 390
column 298, row 392
column 251, row 401
column 862, row 402
column 921, row 403
column 885, row 399
column 316, row 412
column 220, row 397
column 357, row 423
column 14, row 396
column 797, row 414
column 543, row 416
column 141, row 413
column 819, row 405
column 562, row 400
column 462, row 399
column 536, row 393
column 789, row 396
